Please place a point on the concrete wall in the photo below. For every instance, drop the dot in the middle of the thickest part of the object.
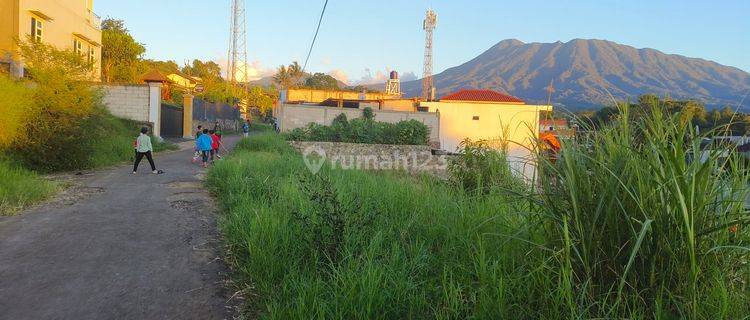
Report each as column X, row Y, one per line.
column 62, row 21
column 128, row 101
column 514, row 124
column 317, row 96
column 291, row 116
column 139, row 102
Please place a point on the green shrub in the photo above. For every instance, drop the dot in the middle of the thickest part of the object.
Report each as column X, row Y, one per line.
column 64, row 125
column 20, row 188
column 363, row 130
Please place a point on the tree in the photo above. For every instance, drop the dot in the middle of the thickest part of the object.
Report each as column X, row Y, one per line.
column 287, row 77
column 204, row 70
column 257, row 98
column 296, row 73
column 120, row 52
column 322, row 81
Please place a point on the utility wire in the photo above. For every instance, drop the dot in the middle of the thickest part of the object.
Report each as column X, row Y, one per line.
column 320, row 21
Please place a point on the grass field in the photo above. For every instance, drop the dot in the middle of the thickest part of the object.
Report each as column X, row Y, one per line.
column 622, row 227
column 20, row 187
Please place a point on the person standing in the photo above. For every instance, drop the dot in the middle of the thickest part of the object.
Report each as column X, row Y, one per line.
column 204, row 144
column 143, row 148
column 246, row 128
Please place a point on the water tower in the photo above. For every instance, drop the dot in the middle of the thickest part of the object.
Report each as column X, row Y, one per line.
column 393, row 86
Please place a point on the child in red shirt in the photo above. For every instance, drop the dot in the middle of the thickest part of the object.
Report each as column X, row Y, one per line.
column 215, row 144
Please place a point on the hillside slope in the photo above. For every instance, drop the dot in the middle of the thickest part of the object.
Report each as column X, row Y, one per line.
column 586, row 72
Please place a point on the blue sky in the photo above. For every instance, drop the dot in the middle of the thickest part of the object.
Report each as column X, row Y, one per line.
column 360, row 40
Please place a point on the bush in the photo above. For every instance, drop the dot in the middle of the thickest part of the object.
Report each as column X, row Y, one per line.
column 482, row 169
column 364, row 130
column 20, row 187
column 16, row 103
column 64, row 125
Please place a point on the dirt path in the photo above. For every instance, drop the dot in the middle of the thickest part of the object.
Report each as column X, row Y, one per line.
column 118, row 246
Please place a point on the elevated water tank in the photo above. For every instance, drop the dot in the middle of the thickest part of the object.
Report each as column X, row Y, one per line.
column 394, row 75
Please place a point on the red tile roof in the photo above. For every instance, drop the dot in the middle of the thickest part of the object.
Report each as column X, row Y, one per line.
column 481, row 95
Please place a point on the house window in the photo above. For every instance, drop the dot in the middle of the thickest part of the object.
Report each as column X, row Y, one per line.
column 92, row 54
column 77, row 46
column 475, row 118
column 36, row 29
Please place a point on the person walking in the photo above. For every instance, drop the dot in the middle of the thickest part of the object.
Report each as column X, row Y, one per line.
column 214, row 144
column 204, row 145
column 143, row 148
column 246, row 128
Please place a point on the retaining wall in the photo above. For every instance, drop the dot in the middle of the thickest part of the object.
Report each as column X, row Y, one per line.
column 360, row 156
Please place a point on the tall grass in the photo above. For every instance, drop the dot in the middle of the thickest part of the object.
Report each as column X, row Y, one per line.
column 356, row 245
column 645, row 223
column 628, row 224
column 20, row 188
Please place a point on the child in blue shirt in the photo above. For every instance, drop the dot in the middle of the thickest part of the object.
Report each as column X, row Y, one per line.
column 204, row 146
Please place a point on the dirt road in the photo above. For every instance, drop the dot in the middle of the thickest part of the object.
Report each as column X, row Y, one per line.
column 118, row 246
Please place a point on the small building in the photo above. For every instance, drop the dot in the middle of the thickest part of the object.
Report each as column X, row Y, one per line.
column 64, row 24
column 318, row 96
column 489, row 115
column 560, row 127
column 183, row 81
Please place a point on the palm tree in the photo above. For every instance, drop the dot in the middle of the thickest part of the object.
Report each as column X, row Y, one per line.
column 283, row 77
column 295, row 73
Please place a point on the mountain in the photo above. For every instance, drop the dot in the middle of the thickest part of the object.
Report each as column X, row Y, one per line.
column 268, row 80
column 586, row 72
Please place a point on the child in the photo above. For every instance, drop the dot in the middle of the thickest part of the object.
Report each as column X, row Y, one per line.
column 215, row 143
column 197, row 153
column 143, row 147
column 204, row 142
column 246, row 128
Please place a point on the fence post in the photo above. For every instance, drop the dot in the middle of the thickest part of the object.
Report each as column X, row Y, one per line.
column 187, row 116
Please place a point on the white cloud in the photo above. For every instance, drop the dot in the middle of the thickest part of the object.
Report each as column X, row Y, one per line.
column 408, row 76
column 381, row 76
column 369, row 78
column 255, row 70
column 339, row 75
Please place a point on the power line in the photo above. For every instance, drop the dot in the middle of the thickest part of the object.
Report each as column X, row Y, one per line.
column 320, row 21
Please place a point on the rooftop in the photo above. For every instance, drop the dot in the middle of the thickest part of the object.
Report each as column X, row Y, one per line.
column 482, row 96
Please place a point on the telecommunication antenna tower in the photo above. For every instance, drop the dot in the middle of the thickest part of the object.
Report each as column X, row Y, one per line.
column 429, row 25
column 237, row 56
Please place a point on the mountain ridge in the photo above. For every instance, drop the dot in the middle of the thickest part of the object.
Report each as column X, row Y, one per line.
column 591, row 72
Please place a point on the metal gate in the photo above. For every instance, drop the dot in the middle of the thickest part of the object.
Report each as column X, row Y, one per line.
column 171, row 121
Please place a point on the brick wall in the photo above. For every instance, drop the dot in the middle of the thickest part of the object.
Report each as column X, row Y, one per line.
column 129, row 101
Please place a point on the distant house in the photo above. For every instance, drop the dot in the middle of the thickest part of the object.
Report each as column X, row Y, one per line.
column 183, row 81
column 559, row 126
column 493, row 116
column 66, row 25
